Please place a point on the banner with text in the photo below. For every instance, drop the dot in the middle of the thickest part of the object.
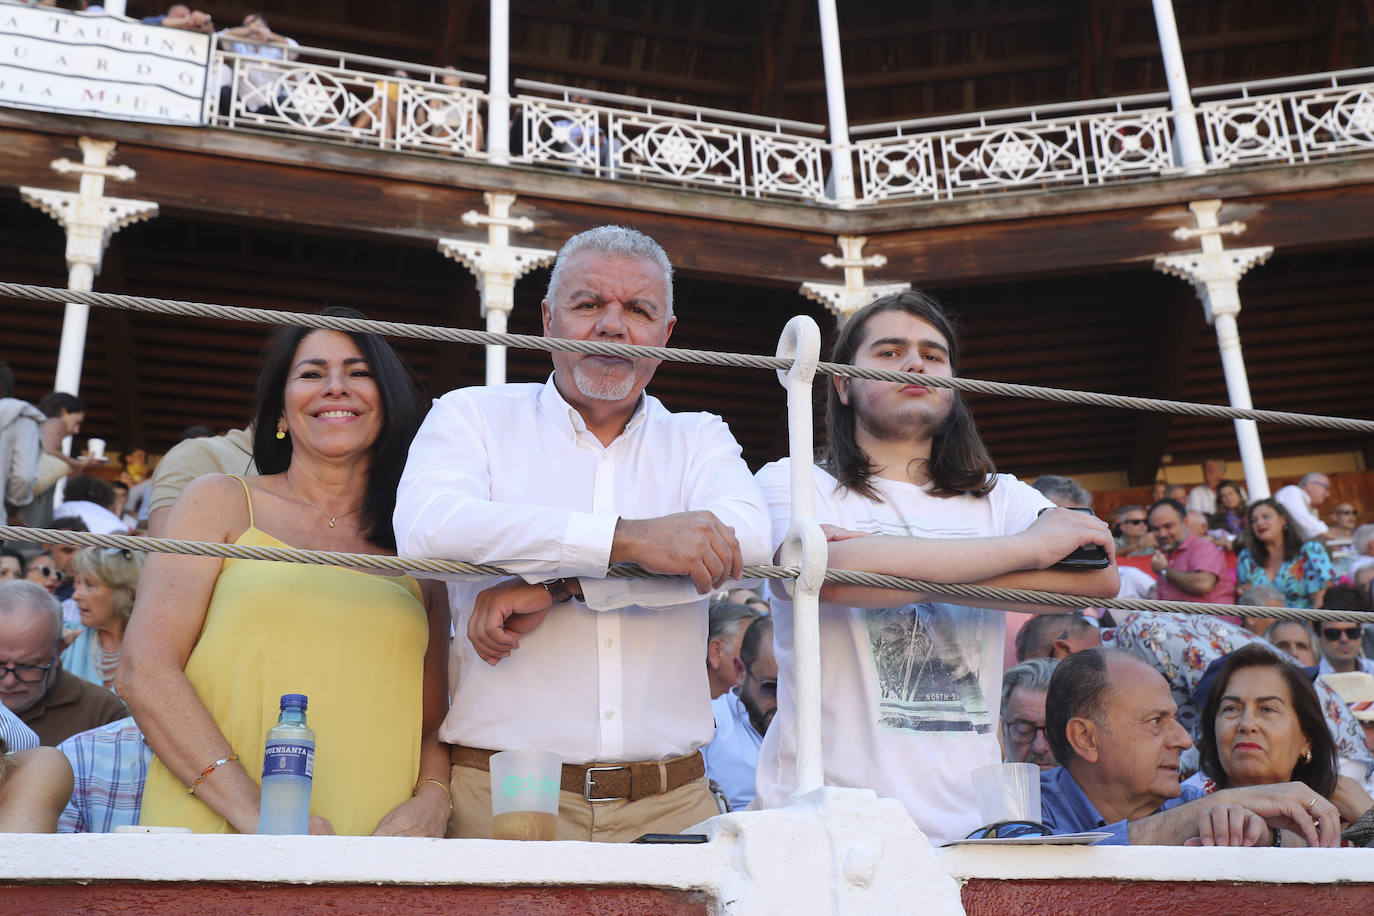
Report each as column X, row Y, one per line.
column 103, row 66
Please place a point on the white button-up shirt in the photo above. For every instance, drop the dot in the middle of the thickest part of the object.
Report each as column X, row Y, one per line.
column 510, row 475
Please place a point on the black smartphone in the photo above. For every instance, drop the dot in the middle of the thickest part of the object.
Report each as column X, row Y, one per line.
column 672, row 838
column 1089, row 556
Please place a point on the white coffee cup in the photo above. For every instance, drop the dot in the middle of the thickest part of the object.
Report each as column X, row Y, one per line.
column 95, row 448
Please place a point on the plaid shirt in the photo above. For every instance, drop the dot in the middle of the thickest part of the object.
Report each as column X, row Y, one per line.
column 110, row 765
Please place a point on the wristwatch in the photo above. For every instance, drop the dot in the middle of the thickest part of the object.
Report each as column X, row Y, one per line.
column 558, row 590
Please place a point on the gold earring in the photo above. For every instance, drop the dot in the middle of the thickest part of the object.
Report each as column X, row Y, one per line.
column 281, row 433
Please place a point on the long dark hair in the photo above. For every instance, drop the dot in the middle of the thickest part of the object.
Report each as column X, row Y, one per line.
column 959, row 462
column 1259, row 551
column 1321, row 771
column 400, row 418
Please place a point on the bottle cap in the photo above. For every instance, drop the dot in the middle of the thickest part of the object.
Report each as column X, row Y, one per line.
column 296, row 700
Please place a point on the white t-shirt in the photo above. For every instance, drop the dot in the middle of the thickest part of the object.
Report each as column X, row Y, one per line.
column 1299, row 506
column 909, row 694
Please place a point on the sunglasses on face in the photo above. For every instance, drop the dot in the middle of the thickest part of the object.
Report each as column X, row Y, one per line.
column 48, row 572
column 1333, row 634
column 1133, row 521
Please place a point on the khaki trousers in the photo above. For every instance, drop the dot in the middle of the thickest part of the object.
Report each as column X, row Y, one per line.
column 618, row 821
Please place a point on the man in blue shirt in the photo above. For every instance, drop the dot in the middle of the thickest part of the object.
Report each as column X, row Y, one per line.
column 1113, row 726
column 742, row 715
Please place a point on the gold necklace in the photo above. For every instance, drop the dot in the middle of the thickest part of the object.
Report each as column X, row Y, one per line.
column 332, row 518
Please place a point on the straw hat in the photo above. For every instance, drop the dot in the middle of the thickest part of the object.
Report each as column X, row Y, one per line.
column 1357, row 690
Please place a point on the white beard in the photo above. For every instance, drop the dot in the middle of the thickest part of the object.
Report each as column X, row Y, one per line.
column 603, row 386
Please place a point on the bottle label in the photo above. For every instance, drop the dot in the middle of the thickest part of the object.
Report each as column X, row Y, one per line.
column 289, row 760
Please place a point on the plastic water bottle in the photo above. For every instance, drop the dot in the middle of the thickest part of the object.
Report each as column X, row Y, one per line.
column 288, row 769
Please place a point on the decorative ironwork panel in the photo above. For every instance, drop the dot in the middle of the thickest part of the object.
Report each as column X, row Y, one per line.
column 1127, row 144
column 897, row 167
column 1025, row 155
column 557, row 132
column 1245, row 130
column 651, row 146
column 440, row 118
column 787, row 166
column 1335, row 120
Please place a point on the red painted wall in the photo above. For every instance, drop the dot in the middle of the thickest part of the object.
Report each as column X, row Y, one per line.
column 231, row 899
column 984, row 897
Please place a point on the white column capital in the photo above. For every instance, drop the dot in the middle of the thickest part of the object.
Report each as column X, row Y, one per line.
column 89, row 223
column 1214, row 274
column 496, row 268
column 844, row 299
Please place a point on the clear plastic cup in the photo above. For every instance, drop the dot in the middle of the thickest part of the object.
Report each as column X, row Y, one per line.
column 1008, row 792
column 524, row 794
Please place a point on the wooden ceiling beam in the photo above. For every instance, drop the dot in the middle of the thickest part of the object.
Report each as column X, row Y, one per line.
column 590, row 19
column 454, row 18
column 942, row 73
column 780, row 26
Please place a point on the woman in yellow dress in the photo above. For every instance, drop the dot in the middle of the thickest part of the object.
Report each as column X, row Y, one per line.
column 213, row 644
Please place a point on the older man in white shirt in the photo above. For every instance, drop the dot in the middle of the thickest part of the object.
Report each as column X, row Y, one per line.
column 556, row 482
column 1301, row 501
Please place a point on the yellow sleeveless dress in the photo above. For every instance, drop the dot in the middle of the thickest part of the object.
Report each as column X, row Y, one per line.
column 354, row 643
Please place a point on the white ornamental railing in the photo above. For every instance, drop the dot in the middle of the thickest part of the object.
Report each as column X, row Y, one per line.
column 619, row 136
column 1317, row 116
column 1014, row 149
column 350, row 97
column 409, row 107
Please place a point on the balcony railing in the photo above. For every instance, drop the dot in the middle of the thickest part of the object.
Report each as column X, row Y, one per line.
column 400, row 106
column 349, row 97
column 617, row 136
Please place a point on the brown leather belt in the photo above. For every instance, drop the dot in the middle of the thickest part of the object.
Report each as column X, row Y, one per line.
column 598, row 782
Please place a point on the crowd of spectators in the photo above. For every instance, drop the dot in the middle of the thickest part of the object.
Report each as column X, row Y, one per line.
column 1149, row 727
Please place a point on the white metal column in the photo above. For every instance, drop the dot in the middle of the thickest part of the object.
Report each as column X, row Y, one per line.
column 841, row 156
column 1215, row 273
column 497, row 264
column 1180, row 94
column 498, row 85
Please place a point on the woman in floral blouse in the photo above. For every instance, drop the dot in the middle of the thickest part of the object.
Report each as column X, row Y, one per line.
column 1275, row 555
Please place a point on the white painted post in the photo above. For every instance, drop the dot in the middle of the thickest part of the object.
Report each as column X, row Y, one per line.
column 498, row 84
column 497, row 265
column 844, row 299
column 1180, row 94
column 90, row 219
column 804, row 547
column 1215, row 273
column 841, row 155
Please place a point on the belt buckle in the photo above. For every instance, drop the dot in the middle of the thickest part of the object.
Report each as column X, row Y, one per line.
column 587, row 783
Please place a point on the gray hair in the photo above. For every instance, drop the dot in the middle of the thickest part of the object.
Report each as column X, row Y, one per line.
column 615, row 242
column 1273, row 628
column 1262, row 596
column 1311, row 476
column 1362, row 537
column 724, row 618
column 20, row 595
column 1066, row 490
column 1032, row 674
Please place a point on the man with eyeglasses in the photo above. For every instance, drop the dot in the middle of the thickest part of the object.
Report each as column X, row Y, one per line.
column 1023, row 713
column 1302, row 500
column 52, row 702
column 742, row 716
column 1341, row 648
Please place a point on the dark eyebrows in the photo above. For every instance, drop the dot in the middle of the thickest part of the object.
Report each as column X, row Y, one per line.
column 348, row 361
column 1231, row 696
column 648, row 305
column 925, row 343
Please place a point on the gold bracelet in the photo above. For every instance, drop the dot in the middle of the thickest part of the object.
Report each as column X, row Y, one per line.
column 438, row 783
column 191, row 789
